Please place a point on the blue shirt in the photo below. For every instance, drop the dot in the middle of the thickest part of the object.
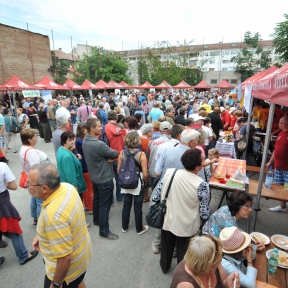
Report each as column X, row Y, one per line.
column 2, row 122
column 155, row 114
column 7, row 122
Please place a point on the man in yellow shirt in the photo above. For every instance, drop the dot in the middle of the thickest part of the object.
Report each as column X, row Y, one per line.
column 206, row 105
column 62, row 235
column 262, row 115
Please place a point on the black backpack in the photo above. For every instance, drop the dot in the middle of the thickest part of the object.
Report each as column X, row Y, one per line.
column 104, row 137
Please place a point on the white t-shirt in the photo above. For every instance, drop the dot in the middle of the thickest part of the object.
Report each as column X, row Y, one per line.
column 62, row 111
column 5, row 176
column 32, row 158
column 208, row 132
column 124, row 99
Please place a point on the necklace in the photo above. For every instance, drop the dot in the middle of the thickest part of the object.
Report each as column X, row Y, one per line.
column 201, row 284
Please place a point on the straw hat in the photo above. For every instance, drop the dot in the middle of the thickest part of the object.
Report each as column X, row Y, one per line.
column 234, row 240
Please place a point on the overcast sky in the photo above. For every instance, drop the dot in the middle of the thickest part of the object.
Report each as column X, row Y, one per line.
column 129, row 24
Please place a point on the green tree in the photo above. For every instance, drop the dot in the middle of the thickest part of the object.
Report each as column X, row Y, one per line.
column 59, row 68
column 252, row 57
column 102, row 64
column 280, row 40
column 167, row 62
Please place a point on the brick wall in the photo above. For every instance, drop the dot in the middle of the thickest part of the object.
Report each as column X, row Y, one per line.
column 16, row 58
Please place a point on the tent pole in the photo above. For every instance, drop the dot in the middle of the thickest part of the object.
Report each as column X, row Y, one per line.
column 263, row 163
column 248, row 126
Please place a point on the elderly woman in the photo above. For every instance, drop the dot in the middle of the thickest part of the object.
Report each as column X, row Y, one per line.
column 22, row 118
column 9, row 217
column 187, row 205
column 68, row 165
column 131, row 141
column 29, row 156
column 44, row 131
column 201, row 266
column 237, row 248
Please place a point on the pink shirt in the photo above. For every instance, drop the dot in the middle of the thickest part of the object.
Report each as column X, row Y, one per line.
column 84, row 111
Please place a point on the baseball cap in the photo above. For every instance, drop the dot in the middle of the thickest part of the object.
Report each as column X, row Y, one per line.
column 232, row 109
column 222, row 109
column 196, row 118
column 165, row 125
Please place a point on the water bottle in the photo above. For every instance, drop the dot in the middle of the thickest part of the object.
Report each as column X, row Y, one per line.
column 273, row 261
column 269, row 178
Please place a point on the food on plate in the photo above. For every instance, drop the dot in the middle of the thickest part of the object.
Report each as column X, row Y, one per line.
column 283, row 260
column 259, row 238
column 281, row 240
column 219, row 176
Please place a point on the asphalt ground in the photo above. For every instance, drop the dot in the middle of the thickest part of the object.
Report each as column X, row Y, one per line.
column 126, row 262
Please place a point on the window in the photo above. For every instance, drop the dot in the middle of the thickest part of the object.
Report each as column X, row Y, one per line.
column 192, row 62
column 204, row 69
column 214, row 53
column 276, row 58
column 132, row 58
column 225, row 61
column 206, row 46
column 233, row 81
column 203, row 54
column 211, row 69
column 226, row 53
column 213, row 81
column 224, row 69
column 211, row 62
column 234, row 52
column 234, row 45
column 231, row 68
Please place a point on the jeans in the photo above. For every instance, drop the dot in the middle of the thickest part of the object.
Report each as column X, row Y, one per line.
column 19, row 247
column 119, row 196
column 35, row 207
column 138, row 202
column 103, row 194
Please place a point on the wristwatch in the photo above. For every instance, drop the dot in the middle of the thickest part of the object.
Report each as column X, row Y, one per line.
column 57, row 285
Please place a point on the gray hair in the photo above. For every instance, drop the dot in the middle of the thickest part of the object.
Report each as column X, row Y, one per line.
column 61, row 121
column 101, row 105
column 170, row 108
column 120, row 104
column 189, row 134
column 146, row 128
column 48, row 175
column 157, row 104
column 196, row 108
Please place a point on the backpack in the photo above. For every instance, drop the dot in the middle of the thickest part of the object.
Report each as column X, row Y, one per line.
column 128, row 175
column 104, row 137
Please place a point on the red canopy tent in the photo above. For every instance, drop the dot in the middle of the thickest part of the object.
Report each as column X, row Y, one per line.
column 47, row 84
column 101, row 84
column 87, row 85
column 224, row 85
column 70, row 85
column 123, row 84
column 145, row 85
column 163, row 85
column 113, row 85
column 202, row 85
column 182, row 85
column 15, row 83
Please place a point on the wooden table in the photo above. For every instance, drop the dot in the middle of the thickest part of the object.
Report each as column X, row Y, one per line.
column 233, row 165
column 279, row 279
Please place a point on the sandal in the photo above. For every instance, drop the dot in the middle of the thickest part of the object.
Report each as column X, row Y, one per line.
column 146, row 200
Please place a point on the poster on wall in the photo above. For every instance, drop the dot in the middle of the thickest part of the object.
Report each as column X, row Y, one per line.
column 46, row 95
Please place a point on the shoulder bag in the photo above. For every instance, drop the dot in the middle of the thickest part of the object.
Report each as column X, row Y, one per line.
column 13, row 127
column 24, row 177
column 156, row 213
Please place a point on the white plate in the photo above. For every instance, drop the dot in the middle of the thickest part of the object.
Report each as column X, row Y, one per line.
column 262, row 235
column 283, row 238
column 280, row 252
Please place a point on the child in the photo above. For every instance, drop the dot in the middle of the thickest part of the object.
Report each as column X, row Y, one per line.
column 211, row 164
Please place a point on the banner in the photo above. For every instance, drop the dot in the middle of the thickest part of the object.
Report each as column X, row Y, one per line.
column 31, row 93
column 46, row 95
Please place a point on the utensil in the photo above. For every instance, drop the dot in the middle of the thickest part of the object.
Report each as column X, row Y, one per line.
column 235, row 282
column 254, row 235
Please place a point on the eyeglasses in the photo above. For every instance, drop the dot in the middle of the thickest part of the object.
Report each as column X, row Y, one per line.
column 247, row 207
column 28, row 184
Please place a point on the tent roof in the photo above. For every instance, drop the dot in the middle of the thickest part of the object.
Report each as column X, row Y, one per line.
column 47, row 84
column 163, row 85
column 202, row 85
column 15, row 83
column 101, row 84
column 113, row 85
column 87, row 85
column 182, row 85
column 70, row 85
column 123, row 84
column 224, row 85
column 145, row 85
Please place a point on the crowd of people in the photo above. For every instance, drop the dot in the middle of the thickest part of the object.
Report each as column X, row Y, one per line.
column 167, row 136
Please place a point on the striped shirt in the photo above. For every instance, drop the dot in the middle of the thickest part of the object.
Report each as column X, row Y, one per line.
column 62, row 230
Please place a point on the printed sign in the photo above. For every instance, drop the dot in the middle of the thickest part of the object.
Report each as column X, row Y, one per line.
column 31, row 93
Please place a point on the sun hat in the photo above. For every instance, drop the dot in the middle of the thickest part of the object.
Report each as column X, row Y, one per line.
column 165, row 125
column 196, row 118
column 234, row 240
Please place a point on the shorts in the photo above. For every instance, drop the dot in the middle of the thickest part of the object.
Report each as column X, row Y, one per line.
column 2, row 141
column 73, row 284
column 280, row 176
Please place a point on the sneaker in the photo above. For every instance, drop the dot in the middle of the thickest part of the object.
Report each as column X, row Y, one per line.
column 278, row 208
column 155, row 250
column 143, row 231
column 124, row 231
column 110, row 236
column 90, row 212
column 95, row 224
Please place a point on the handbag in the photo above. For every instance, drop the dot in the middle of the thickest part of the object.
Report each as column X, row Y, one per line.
column 24, row 176
column 156, row 212
column 241, row 146
column 13, row 127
